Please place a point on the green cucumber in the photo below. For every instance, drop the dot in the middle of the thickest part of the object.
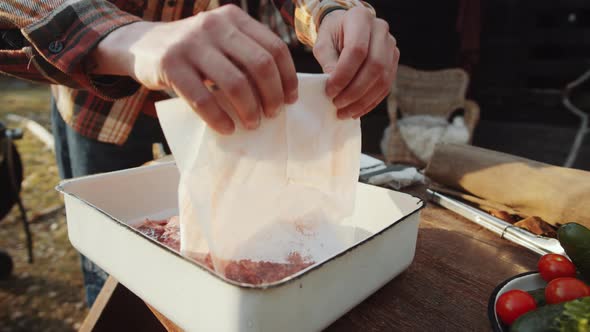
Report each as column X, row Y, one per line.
column 543, row 319
column 539, row 296
column 572, row 316
column 575, row 240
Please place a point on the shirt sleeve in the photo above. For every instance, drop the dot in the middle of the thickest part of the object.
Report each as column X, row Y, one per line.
column 306, row 15
column 47, row 41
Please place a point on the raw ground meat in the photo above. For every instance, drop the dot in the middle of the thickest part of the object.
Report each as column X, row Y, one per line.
column 165, row 231
column 246, row 271
column 252, row 272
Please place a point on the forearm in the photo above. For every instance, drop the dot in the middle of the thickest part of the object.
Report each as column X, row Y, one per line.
column 113, row 56
column 53, row 39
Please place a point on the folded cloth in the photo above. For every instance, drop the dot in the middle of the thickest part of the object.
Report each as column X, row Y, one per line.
column 397, row 178
column 556, row 194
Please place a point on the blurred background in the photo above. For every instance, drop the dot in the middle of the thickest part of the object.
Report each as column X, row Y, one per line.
column 519, row 57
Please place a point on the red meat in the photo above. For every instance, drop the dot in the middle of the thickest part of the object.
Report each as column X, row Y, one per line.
column 246, row 271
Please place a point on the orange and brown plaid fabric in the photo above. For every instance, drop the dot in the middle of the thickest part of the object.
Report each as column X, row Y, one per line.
column 47, row 40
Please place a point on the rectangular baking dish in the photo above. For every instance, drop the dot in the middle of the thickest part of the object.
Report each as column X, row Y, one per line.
column 101, row 210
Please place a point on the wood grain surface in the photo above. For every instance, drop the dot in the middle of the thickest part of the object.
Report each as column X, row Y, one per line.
column 457, row 266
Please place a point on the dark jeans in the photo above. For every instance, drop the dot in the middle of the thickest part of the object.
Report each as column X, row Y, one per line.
column 77, row 155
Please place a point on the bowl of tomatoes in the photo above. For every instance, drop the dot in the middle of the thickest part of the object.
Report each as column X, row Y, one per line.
column 554, row 298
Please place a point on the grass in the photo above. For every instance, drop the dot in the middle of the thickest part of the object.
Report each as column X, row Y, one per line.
column 48, row 294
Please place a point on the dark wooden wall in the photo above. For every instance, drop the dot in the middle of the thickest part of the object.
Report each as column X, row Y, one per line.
column 427, row 38
column 529, row 50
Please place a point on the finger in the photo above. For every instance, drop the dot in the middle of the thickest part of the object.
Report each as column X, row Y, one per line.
column 365, row 104
column 389, row 78
column 187, row 84
column 326, row 52
column 357, row 34
column 222, row 99
column 372, row 105
column 378, row 62
column 261, row 67
column 280, row 52
column 234, row 84
column 359, row 106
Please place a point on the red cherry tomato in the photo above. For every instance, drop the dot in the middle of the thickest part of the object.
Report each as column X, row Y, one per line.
column 552, row 266
column 565, row 289
column 514, row 304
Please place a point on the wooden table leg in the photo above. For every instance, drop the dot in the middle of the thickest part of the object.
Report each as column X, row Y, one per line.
column 99, row 305
column 117, row 309
column 168, row 324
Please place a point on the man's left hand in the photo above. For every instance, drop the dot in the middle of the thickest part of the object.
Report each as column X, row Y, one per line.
column 360, row 55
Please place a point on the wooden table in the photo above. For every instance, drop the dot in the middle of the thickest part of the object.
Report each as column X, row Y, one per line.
column 457, row 266
column 447, row 287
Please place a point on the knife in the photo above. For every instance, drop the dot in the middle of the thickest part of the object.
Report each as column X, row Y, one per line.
column 540, row 244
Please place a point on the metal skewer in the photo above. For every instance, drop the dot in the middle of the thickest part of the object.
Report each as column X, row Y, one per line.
column 539, row 244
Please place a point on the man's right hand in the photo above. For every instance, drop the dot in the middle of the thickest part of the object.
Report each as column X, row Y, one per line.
column 250, row 65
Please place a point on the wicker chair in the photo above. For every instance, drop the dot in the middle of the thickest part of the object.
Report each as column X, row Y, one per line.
column 416, row 92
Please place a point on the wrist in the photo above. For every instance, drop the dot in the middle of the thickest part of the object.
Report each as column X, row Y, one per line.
column 332, row 13
column 112, row 55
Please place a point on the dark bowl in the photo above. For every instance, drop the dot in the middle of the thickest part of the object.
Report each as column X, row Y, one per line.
column 526, row 281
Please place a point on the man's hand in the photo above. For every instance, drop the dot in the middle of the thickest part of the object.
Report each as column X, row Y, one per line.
column 250, row 66
column 360, row 55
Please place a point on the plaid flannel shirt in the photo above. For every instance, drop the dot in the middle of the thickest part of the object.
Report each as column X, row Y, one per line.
column 47, row 40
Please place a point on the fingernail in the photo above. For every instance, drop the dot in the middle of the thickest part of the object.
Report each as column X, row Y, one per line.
column 292, row 97
column 343, row 115
column 276, row 112
column 339, row 103
column 331, row 91
column 227, row 127
column 272, row 114
column 328, row 69
column 256, row 123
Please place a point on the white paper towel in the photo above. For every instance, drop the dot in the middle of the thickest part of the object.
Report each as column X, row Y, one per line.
column 268, row 193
